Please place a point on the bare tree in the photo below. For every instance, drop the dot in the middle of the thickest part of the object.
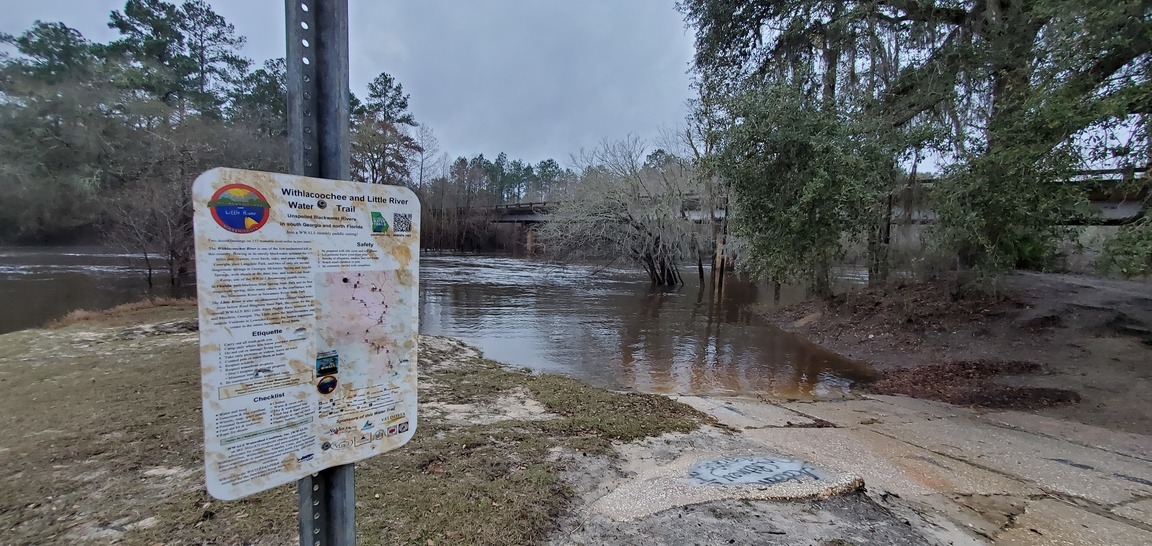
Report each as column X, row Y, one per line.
column 151, row 210
column 628, row 204
column 428, row 147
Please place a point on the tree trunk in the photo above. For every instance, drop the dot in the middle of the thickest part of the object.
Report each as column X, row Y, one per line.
column 148, row 264
column 831, row 66
column 821, row 281
column 879, row 241
column 1011, row 37
column 715, row 244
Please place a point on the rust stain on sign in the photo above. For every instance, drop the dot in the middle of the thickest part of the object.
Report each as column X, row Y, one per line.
column 307, row 292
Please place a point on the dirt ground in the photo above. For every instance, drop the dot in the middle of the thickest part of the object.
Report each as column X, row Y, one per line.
column 1065, row 346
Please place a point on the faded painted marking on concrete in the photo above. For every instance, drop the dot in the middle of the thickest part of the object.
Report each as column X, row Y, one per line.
column 766, row 469
column 667, row 486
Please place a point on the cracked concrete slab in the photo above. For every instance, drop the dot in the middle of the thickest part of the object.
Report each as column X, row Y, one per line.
column 972, row 477
column 1056, row 465
column 1138, row 511
column 886, row 409
column 742, row 413
column 1050, row 522
column 939, row 472
column 938, row 517
column 840, row 449
column 1124, row 443
column 979, row 500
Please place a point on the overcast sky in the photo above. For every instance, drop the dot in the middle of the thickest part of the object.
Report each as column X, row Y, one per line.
column 532, row 78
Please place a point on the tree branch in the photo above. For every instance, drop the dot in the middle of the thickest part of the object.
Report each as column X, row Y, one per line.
column 931, row 13
column 927, row 85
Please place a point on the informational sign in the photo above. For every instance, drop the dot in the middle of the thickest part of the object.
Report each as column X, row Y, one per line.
column 308, row 321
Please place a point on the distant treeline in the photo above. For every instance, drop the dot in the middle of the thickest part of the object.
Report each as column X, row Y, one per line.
column 100, row 141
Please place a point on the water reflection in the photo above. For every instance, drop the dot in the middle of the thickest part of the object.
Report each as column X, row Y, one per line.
column 41, row 284
column 611, row 328
column 604, row 325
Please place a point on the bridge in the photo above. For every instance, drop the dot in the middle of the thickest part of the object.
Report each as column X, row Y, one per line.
column 524, row 213
column 538, row 212
column 1119, row 196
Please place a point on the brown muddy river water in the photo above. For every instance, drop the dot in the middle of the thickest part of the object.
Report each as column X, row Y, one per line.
column 604, row 325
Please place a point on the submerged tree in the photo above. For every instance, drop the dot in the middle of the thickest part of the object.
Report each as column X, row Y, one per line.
column 627, row 209
column 801, row 178
column 150, row 214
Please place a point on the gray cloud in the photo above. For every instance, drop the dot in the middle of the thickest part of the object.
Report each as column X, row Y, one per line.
column 534, row 79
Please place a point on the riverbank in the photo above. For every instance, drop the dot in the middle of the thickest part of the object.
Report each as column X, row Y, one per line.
column 1070, row 347
column 102, row 439
column 101, row 434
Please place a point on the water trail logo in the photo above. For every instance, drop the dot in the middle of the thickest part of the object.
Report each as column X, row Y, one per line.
column 239, row 208
column 379, row 224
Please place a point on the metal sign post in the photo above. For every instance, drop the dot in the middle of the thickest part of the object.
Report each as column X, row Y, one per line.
column 308, row 290
column 318, row 95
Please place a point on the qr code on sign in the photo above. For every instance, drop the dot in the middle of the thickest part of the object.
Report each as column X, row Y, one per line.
column 401, row 223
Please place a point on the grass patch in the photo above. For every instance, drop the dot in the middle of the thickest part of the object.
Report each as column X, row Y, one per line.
column 605, row 415
column 500, row 484
column 84, row 315
column 586, row 410
column 102, row 439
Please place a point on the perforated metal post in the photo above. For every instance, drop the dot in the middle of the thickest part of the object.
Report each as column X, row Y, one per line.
column 317, row 74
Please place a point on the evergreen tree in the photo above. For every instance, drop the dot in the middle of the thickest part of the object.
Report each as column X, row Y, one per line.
column 382, row 148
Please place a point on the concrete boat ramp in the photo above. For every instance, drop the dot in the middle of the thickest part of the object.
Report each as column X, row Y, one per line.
column 955, row 475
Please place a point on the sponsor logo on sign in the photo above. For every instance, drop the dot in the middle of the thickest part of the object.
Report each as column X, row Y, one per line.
column 326, row 385
column 379, row 224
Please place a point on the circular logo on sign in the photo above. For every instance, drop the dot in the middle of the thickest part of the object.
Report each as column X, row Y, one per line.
column 239, row 208
column 326, row 385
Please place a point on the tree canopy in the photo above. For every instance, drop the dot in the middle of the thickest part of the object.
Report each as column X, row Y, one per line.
column 102, row 139
column 1008, row 97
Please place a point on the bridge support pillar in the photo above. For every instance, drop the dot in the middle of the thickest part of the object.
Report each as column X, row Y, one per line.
column 530, row 239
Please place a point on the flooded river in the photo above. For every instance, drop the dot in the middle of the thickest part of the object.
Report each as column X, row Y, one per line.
column 607, row 326
column 41, row 284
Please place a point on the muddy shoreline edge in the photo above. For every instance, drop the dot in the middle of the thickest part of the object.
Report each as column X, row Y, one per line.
column 1067, row 346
